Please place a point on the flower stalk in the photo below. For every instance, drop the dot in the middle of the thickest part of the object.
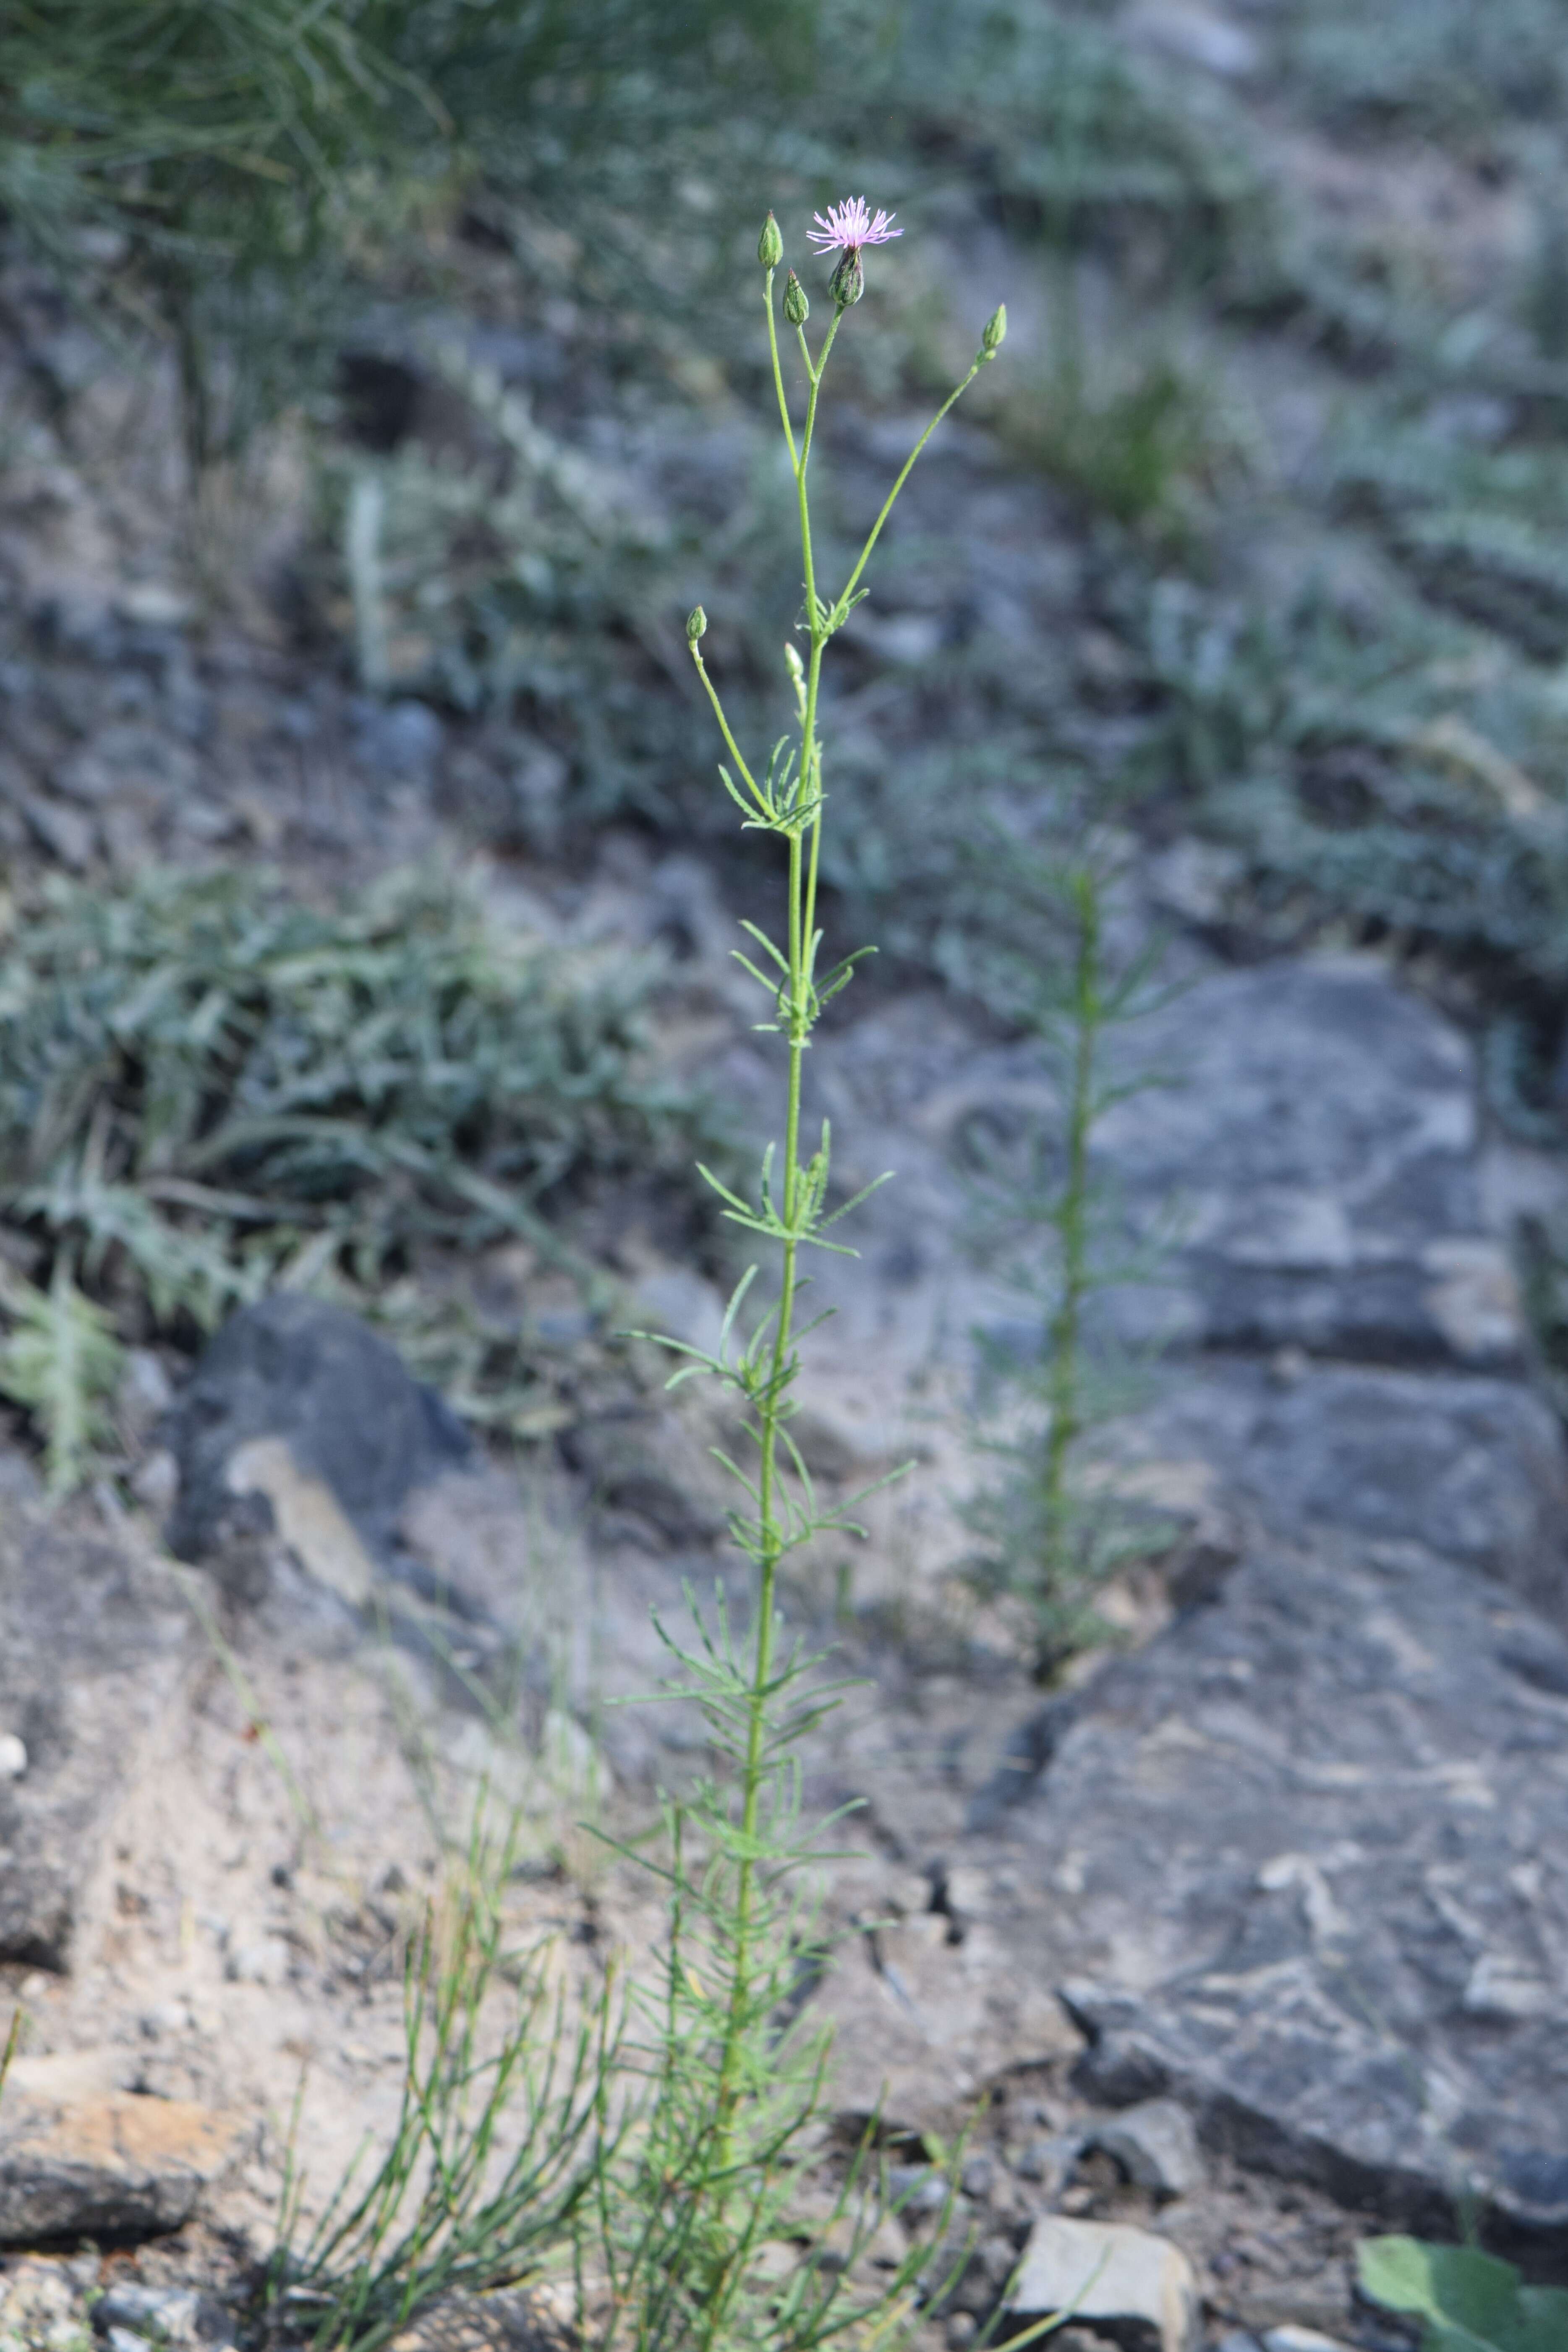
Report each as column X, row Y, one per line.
column 728, row 2093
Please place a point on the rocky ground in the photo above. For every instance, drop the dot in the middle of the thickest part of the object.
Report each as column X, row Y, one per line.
column 1251, row 1939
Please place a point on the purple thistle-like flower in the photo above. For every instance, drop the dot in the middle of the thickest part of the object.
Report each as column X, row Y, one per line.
column 846, row 227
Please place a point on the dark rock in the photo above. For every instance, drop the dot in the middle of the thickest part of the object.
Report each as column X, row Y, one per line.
column 1155, row 2145
column 1314, row 1135
column 1309, row 1838
column 397, row 739
column 318, row 1379
column 92, row 1644
column 1472, row 1468
column 108, row 2165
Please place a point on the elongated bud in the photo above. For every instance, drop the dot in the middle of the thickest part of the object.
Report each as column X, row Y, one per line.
column 696, row 625
column 770, row 245
column 796, row 309
column 847, row 282
column 994, row 333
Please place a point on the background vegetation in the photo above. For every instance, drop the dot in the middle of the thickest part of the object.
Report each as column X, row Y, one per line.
column 1294, row 397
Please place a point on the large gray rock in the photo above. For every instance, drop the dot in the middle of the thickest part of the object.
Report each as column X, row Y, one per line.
column 1472, row 1466
column 92, row 1642
column 1300, row 1861
column 297, row 1404
column 1314, row 1141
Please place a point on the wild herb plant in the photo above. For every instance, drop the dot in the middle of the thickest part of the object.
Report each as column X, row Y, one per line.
column 694, row 2221
column 496, row 2145
column 206, row 1087
column 1048, row 1537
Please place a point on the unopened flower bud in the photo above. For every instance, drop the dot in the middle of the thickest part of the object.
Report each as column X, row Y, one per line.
column 847, row 282
column 796, row 309
column 696, row 625
column 994, row 332
column 770, row 245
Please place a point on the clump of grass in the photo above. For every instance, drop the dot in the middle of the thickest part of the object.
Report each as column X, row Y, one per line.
column 1136, row 447
column 207, row 1087
column 224, row 173
column 495, row 2149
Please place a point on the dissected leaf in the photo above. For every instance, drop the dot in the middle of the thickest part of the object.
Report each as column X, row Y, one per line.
column 63, row 1362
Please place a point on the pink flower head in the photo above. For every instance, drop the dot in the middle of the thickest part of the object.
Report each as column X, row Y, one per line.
column 847, row 227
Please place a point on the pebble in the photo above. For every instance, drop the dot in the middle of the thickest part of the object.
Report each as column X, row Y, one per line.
column 1156, row 2146
column 1106, row 2271
column 264, row 1962
column 12, row 1756
column 129, row 2312
column 918, row 2188
column 1300, row 2339
column 1049, row 2161
column 64, row 833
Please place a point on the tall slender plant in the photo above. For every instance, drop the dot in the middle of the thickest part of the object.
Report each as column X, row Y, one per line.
column 1048, row 1538
column 732, row 2089
column 685, row 2216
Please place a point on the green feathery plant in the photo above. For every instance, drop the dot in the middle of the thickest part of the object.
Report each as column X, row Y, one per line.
column 694, row 2246
column 1048, row 1537
column 692, row 2208
column 493, row 2150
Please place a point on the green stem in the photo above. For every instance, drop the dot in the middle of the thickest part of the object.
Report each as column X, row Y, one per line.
column 734, row 749
column 956, row 393
column 778, row 372
column 770, row 1415
column 1065, row 1330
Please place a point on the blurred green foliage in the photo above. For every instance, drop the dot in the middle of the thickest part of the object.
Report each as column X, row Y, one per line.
column 207, row 1087
column 221, row 167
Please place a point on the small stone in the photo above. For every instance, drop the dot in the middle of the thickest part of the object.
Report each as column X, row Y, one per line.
column 979, row 2174
column 67, row 836
column 146, row 1392
column 1136, row 2283
column 960, row 2331
column 155, row 1481
column 168, row 2313
column 264, row 1961
column 1300, row 2339
column 1049, row 2161
column 150, row 605
column 12, row 1756
column 1156, row 2146
column 917, row 2188
column 1237, row 2340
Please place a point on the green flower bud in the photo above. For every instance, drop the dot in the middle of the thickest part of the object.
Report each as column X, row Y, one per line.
column 796, row 309
column 770, row 245
column 696, row 625
column 847, row 282
column 994, row 333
